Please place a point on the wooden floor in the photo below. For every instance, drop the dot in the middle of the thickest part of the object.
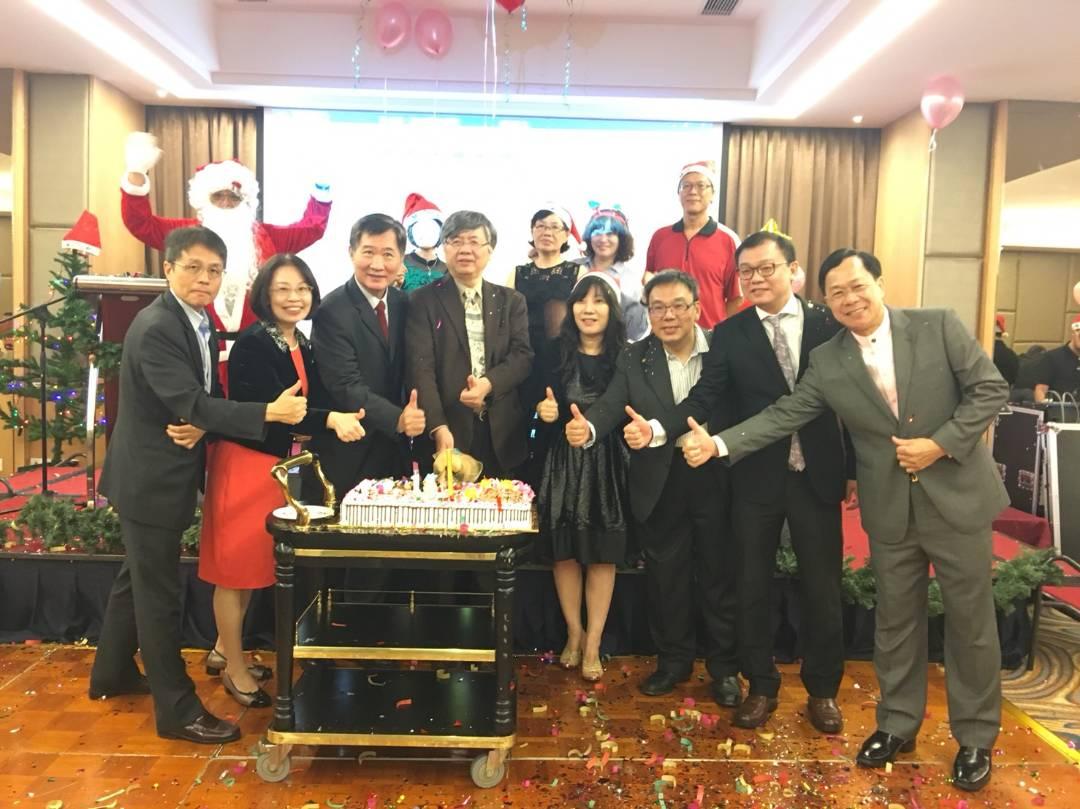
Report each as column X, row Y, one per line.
column 57, row 745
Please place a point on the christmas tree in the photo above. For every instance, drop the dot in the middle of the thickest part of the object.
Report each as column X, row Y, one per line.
column 71, row 339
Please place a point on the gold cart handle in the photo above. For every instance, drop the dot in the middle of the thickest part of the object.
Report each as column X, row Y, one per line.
column 280, row 472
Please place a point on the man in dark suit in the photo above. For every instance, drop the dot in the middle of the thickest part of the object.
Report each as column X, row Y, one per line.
column 468, row 347
column 756, row 357
column 681, row 513
column 916, row 392
column 358, row 339
column 169, row 397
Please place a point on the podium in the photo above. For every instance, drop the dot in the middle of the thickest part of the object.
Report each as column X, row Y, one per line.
column 117, row 299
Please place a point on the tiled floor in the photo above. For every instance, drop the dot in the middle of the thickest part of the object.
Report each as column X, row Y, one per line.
column 57, row 745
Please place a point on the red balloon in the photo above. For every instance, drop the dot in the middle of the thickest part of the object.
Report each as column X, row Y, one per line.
column 942, row 101
column 511, row 5
column 392, row 23
column 434, row 32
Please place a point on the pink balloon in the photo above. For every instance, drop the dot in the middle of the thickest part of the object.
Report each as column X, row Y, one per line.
column 392, row 23
column 942, row 101
column 1076, row 292
column 434, row 32
column 798, row 280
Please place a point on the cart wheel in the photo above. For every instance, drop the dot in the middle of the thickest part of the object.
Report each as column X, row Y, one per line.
column 484, row 777
column 264, row 767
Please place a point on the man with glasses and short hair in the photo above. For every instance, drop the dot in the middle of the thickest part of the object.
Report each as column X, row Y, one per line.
column 700, row 246
column 681, row 513
column 468, row 351
column 755, row 359
column 169, row 398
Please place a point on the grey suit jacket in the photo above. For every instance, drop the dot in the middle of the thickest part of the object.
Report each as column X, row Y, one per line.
column 948, row 390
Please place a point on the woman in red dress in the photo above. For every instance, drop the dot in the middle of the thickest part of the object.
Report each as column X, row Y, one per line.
column 236, row 552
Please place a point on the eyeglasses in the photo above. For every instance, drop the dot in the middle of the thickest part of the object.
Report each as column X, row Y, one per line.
column 215, row 271
column 746, row 272
column 549, row 228
column 701, row 188
column 472, row 244
column 838, row 294
column 678, row 308
column 302, row 291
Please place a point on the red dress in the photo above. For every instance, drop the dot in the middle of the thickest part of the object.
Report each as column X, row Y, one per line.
column 235, row 551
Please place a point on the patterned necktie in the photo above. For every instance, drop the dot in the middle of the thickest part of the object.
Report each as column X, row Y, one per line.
column 380, row 311
column 204, row 349
column 474, row 328
column 796, row 460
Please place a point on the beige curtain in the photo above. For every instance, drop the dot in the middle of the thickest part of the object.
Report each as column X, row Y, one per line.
column 190, row 137
column 820, row 185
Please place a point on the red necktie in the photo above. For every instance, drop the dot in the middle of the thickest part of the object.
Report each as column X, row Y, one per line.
column 380, row 310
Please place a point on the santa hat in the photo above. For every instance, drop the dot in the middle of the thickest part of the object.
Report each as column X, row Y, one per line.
column 564, row 216
column 706, row 168
column 84, row 237
column 419, row 207
column 603, row 276
column 999, row 323
column 222, row 175
column 1075, row 325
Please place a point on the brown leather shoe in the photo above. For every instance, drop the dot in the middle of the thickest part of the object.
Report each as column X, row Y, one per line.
column 754, row 711
column 824, row 714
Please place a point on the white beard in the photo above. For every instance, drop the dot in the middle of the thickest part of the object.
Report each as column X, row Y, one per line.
column 236, row 227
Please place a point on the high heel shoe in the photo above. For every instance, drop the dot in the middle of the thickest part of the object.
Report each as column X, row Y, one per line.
column 216, row 662
column 570, row 657
column 249, row 699
column 592, row 672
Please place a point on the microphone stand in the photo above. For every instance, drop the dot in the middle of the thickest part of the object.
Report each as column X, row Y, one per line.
column 40, row 312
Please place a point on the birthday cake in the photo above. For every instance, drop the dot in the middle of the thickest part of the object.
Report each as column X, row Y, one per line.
column 434, row 506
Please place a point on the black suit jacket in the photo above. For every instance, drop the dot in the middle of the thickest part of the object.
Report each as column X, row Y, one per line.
column 358, row 368
column 642, row 381
column 439, row 362
column 259, row 370
column 741, row 367
column 147, row 477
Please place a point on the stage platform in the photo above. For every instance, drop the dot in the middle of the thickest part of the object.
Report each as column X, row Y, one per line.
column 57, row 745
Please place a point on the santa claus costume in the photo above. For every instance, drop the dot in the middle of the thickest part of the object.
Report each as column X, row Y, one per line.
column 231, row 215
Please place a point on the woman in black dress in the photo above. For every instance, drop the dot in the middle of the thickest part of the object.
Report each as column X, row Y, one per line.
column 546, row 282
column 583, row 496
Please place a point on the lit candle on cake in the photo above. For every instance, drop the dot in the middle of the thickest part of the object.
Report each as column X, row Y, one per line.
column 416, row 478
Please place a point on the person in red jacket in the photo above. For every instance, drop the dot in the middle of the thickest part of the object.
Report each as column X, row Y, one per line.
column 225, row 196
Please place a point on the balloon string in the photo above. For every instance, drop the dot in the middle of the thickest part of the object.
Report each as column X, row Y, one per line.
column 358, row 43
column 933, row 140
column 487, row 40
column 494, row 63
column 569, row 51
column 506, row 57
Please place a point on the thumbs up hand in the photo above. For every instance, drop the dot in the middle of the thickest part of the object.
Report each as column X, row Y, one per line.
column 548, row 408
column 699, row 446
column 288, row 407
column 637, row 433
column 577, row 429
column 412, row 420
column 347, row 426
column 474, row 393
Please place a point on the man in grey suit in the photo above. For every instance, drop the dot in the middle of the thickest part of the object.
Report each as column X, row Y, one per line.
column 916, row 392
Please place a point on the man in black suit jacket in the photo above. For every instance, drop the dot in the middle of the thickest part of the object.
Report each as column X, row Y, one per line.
column 681, row 513
column 358, row 338
column 468, row 347
column 801, row 481
column 169, row 397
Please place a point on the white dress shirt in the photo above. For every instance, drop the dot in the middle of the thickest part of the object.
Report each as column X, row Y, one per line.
column 877, row 353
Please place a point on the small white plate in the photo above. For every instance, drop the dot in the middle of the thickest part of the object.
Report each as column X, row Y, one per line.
column 314, row 512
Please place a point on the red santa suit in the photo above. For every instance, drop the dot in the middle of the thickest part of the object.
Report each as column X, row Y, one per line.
column 268, row 240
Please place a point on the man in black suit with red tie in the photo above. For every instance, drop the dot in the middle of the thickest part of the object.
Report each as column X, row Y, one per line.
column 358, row 338
column 756, row 357
column 169, row 398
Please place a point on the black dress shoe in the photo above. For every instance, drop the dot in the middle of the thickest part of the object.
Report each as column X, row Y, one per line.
column 249, row 699
column 880, row 748
column 971, row 769
column 661, row 682
column 135, row 687
column 727, row 692
column 754, row 711
column 207, row 729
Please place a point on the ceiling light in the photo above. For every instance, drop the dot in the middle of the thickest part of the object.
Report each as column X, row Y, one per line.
column 111, row 39
column 876, row 31
column 856, row 119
